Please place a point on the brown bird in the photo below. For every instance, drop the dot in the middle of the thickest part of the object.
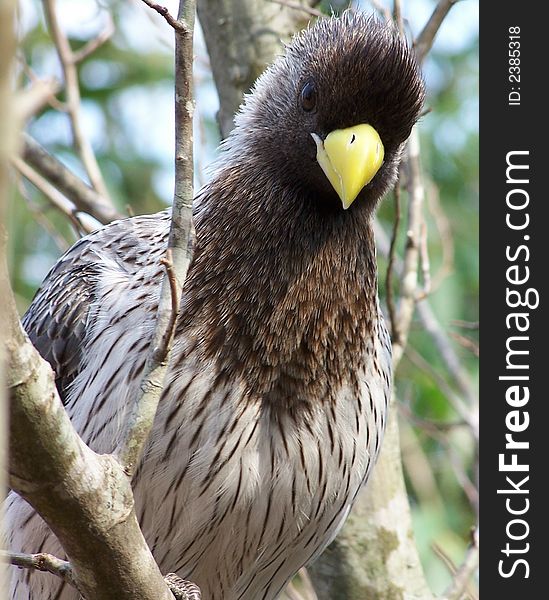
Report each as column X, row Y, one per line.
column 276, row 396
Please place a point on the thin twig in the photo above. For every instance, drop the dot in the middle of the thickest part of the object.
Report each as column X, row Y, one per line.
column 425, row 39
column 292, row 593
column 296, row 6
column 84, row 197
column 53, row 195
column 420, row 471
column 445, row 236
column 462, row 576
column 31, row 100
column 466, row 342
column 433, row 328
column 144, row 409
column 307, row 584
column 390, row 266
column 457, row 403
column 424, row 261
column 411, row 254
column 447, row 353
column 465, row 324
column 164, row 12
column 41, row 219
column 36, row 80
column 68, row 64
column 460, row 472
column 40, row 562
column 432, row 428
column 381, row 9
column 91, row 46
column 439, row 551
column 161, row 351
column 397, row 16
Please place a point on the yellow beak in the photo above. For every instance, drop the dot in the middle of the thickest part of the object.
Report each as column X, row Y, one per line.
column 350, row 158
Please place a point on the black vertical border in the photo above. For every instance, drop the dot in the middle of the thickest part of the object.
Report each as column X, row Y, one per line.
column 505, row 128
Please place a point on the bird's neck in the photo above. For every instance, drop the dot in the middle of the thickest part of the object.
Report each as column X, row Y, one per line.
column 280, row 291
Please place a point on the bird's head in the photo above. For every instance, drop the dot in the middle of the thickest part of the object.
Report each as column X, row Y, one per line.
column 332, row 113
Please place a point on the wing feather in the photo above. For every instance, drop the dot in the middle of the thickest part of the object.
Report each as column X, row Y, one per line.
column 62, row 312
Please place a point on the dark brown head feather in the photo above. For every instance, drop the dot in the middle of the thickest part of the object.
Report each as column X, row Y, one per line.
column 363, row 71
column 283, row 286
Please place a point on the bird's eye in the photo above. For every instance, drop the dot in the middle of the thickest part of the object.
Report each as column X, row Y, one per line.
column 308, row 96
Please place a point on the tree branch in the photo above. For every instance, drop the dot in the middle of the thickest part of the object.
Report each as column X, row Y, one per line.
column 34, row 97
column 463, row 575
column 431, row 326
column 81, row 195
column 41, row 562
column 411, row 254
column 68, row 64
column 94, row 44
column 85, row 498
column 53, row 195
column 8, row 137
column 390, row 267
column 164, row 12
column 141, row 419
column 382, row 10
column 313, row 12
column 425, row 39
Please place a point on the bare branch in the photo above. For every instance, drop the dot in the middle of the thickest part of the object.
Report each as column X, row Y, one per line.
column 39, row 215
column 466, row 342
column 164, row 12
column 424, row 261
column 292, row 593
column 68, row 65
column 8, row 143
column 447, row 353
column 296, row 6
column 40, row 562
column 397, row 16
column 433, row 328
column 432, row 428
column 164, row 347
column 384, row 11
column 390, row 267
column 445, row 235
column 466, row 571
column 85, row 498
column 242, row 38
column 84, row 197
column 35, row 97
column 94, row 44
column 54, row 197
column 144, row 409
column 307, row 584
column 465, row 324
column 425, row 39
column 411, row 255
column 454, row 399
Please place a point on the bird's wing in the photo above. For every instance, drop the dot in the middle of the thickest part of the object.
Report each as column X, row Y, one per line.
column 56, row 319
column 62, row 312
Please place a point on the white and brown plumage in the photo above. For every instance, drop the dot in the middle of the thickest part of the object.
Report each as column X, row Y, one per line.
column 276, row 397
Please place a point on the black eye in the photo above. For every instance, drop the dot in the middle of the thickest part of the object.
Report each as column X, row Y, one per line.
column 308, row 96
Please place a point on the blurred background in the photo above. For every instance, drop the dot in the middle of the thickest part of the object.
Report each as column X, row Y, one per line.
column 127, row 114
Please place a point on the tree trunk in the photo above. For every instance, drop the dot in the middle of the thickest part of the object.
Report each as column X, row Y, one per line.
column 243, row 37
column 374, row 557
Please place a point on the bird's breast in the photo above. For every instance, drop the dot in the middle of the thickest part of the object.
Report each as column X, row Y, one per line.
column 231, row 483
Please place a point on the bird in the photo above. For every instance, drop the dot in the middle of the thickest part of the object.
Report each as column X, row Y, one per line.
column 278, row 383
